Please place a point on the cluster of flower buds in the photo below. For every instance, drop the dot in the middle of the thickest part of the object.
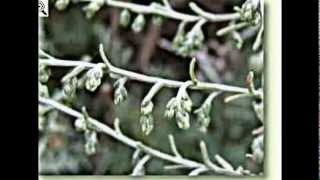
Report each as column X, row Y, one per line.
column 90, row 134
column 187, row 43
column 258, row 149
column 93, row 77
column 120, row 92
column 249, row 12
column 70, row 87
column 179, row 108
column 61, row 4
column 44, row 73
column 146, row 119
column 93, row 7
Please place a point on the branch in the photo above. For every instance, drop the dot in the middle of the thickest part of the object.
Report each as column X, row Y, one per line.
column 179, row 161
column 167, row 82
column 141, row 77
column 120, row 137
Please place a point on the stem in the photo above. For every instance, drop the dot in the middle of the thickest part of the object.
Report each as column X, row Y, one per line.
column 153, row 91
column 173, row 146
column 213, row 17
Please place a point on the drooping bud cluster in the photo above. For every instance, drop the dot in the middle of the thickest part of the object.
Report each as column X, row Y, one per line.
column 93, row 78
column 185, row 44
column 138, row 23
column 91, row 142
column 179, row 108
column 203, row 113
column 120, row 92
column 61, row 4
column 90, row 134
column 249, row 12
column 146, row 118
column 93, row 7
column 44, row 73
column 70, row 87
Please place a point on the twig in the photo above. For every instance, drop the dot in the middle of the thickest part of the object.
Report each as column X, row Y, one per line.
column 116, row 125
column 140, row 165
column 169, row 167
column 152, row 92
column 232, row 27
column 211, row 165
column 173, row 146
column 223, row 163
column 197, row 171
column 236, row 96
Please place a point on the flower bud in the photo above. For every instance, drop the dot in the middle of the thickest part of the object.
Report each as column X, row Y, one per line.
column 170, row 108
column 147, row 124
column 93, row 79
column 249, row 12
column 80, row 124
column 138, row 23
column 69, row 87
column 120, row 94
column 44, row 73
column 146, row 108
column 125, row 18
column 157, row 20
column 183, row 119
column 186, row 102
column 61, row 4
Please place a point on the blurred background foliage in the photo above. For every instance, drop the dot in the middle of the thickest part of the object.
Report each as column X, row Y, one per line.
column 68, row 34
